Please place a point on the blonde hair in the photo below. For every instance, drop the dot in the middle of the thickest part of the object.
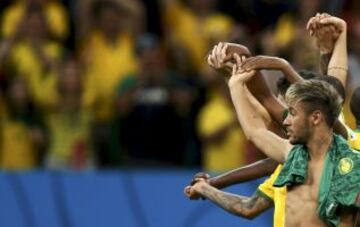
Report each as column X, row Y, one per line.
column 318, row 95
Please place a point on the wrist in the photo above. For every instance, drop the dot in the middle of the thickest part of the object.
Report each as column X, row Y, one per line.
column 236, row 84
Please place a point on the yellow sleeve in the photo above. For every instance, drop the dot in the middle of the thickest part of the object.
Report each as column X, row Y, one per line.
column 58, row 19
column 267, row 189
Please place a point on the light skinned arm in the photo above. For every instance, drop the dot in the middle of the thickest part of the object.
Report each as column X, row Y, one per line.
column 243, row 206
column 338, row 63
column 254, row 128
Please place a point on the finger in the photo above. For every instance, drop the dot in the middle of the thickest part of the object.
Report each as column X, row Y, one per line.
column 218, row 54
column 243, row 58
column 237, row 59
column 233, row 70
column 209, row 61
column 223, row 52
column 328, row 20
column 308, row 23
column 213, row 59
column 187, row 190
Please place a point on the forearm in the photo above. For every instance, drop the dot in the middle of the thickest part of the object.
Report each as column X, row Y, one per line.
column 290, row 74
column 246, row 114
column 339, row 62
column 249, row 172
column 247, row 207
column 254, row 128
column 324, row 62
column 258, row 87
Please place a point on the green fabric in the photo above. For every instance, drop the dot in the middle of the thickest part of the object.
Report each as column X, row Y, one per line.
column 340, row 180
column 263, row 195
column 285, row 114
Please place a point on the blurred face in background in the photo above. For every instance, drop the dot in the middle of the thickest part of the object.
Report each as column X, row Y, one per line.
column 152, row 64
column 18, row 95
column 201, row 6
column 109, row 21
column 36, row 2
column 70, row 81
column 35, row 25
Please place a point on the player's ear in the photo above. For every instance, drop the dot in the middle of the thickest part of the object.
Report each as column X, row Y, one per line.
column 316, row 117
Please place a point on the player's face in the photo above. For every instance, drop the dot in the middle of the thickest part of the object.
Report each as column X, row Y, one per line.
column 297, row 124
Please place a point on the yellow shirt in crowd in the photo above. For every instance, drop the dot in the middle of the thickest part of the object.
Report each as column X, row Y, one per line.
column 106, row 65
column 194, row 33
column 17, row 149
column 55, row 13
column 28, row 66
column 228, row 154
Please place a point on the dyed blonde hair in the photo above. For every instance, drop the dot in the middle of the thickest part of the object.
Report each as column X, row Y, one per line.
column 317, row 95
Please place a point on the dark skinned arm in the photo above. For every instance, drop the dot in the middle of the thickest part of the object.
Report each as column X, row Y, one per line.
column 243, row 174
column 243, row 206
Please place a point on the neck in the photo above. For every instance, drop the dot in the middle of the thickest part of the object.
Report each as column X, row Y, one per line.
column 319, row 144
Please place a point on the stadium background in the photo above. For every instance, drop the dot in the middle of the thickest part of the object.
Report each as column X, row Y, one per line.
column 107, row 107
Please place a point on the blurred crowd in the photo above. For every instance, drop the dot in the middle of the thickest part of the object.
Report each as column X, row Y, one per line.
column 91, row 84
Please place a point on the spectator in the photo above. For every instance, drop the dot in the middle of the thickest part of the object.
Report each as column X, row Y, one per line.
column 55, row 16
column 31, row 54
column 195, row 26
column 223, row 141
column 22, row 132
column 150, row 126
column 69, row 124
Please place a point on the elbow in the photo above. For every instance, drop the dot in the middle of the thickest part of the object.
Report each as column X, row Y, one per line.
column 248, row 214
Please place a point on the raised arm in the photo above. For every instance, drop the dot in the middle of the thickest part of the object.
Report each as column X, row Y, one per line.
column 272, row 63
column 254, row 128
column 219, row 59
column 330, row 35
column 247, row 207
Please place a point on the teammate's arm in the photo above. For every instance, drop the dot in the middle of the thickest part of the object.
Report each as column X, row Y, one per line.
column 254, row 128
column 272, row 63
column 247, row 207
column 218, row 59
column 249, row 172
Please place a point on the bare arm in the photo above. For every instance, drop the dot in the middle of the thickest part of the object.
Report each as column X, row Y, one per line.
column 339, row 63
column 272, row 63
column 247, row 207
column 249, row 172
column 254, row 128
column 219, row 59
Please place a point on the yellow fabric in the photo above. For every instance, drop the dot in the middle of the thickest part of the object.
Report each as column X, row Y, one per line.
column 55, row 14
column 228, row 154
column 349, row 118
column 194, row 33
column 107, row 65
column 354, row 139
column 27, row 65
column 278, row 195
column 284, row 30
column 68, row 133
column 17, row 149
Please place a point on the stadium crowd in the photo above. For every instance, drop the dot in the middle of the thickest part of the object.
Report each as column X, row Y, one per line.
column 125, row 83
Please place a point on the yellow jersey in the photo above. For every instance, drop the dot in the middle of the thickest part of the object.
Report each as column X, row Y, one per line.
column 277, row 195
